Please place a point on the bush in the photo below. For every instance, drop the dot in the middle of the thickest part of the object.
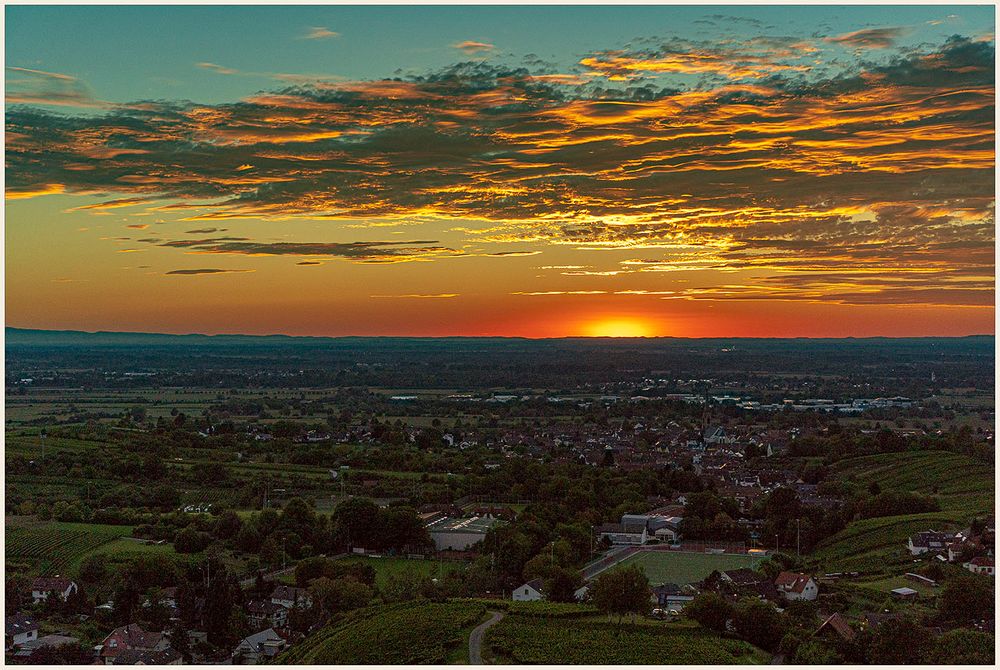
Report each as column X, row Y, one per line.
column 814, row 652
column 191, row 541
column 759, row 623
column 710, row 610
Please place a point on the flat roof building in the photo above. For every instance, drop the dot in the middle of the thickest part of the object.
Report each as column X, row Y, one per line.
column 455, row 534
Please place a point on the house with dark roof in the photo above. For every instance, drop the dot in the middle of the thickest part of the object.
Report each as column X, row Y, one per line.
column 168, row 656
column 740, row 576
column 264, row 613
column 796, row 586
column 291, row 596
column 41, row 587
column 19, row 629
column 529, row 591
column 259, row 646
column 672, row 596
column 872, row 620
column 130, row 638
column 930, row 541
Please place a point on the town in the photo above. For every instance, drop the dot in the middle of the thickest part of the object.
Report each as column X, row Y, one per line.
column 723, row 517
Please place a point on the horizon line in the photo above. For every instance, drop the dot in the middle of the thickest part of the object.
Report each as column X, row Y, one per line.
column 492, row 337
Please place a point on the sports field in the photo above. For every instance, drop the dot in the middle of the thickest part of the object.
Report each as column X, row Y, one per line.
column 685, row 567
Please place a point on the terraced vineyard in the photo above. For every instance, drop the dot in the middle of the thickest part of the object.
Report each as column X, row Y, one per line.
column 960, row 483
column 595, row 640
column 406, row 633
column 876, row 545
column 55, row 548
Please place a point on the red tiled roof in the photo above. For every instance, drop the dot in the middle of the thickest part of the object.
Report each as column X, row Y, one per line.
column 792, row 581
column 840, row 626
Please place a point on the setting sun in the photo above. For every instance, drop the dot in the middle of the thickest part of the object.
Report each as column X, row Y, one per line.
column 619, row 328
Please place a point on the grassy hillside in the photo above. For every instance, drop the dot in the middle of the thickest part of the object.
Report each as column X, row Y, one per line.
column 525, row 637
column 405, row 633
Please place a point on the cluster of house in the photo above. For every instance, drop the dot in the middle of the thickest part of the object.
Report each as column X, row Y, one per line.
column 134, row 645
column 731, row 584
column 744, row 582
column 950, row 547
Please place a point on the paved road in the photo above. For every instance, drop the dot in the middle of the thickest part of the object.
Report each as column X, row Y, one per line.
column 476, row 639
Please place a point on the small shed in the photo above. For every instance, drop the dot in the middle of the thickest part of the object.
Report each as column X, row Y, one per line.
column 905, row 593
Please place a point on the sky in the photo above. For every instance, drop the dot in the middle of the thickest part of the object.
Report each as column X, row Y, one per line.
column 539, row 172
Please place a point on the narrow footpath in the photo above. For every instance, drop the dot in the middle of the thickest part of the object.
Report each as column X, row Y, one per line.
column 476, row 638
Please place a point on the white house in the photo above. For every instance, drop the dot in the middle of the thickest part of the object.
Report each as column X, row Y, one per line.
column 19, row 629
column 529, row 591
column 930, row 540
column 981, row 565
column 796, row 586
column 41, row 587
column 291, row 596
column 253, row 648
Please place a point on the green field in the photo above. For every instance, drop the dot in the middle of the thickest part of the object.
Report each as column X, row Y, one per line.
column 664, row 567
column 387, row 567
column 590, row 639
column 405, row 633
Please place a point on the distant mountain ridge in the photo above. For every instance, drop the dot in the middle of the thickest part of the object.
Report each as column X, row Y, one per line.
column 32, row 336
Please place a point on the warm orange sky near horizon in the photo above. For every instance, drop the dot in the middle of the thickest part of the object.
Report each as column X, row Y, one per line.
column 766, row 179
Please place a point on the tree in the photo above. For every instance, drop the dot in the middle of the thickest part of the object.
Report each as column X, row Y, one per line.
column 562, row 584
column 898, row 642
column 622, row 591
column 191, row 541
column 356, row 520
column 759, row 623
column 227, row 525
column 967, row 597
column 962, row 647
column 710, row 610
column 165, row 497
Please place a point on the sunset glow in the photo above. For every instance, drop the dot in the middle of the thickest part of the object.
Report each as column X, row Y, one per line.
column 620, row 328
column 738, row 173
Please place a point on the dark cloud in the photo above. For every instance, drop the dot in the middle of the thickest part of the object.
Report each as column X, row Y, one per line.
column 364, row 252
column 203, row 271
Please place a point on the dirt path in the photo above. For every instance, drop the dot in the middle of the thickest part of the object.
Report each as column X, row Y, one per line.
column 476, row 639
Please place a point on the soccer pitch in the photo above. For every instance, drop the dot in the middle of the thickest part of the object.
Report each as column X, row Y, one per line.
column 665, row 567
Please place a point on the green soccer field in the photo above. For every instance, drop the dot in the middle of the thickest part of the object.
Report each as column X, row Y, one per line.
column 663, row 567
